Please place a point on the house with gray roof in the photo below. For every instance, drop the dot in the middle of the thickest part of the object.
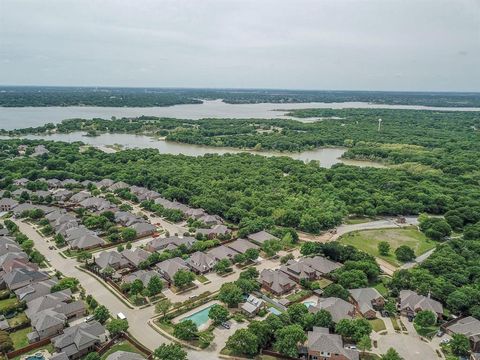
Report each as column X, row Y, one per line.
column 7, row 204
column 467, row 326
column 367, row 301
column 276, row 282
column 338, row 308
column 169, row 243
column 48, row 301
column 195, row 213
column 59, row 356
column 211, row 220
column 126, row 218
column 97, row 204
column 79, row 197
column 410, row 303
column 35, row 290
column 79, row 340
column 309, row 268
column 261, row 237
column 21, row 182
column 54, row 183
column 143, row 229
column 201, row 262
column 143, row 275
column 39, row 150
column 241, row 246
column 104, row 183
column 21, row 277
column 118, row 186
column 135, row 256
column 125, row 355
column 215, row 231
column 252, row 306
column 62, row 195
column 111, row 259
column 323, row 345
column 7, row 246
column 169, row 268
column 4, row 232
column 9, row 256
column 222, row 252
column 82, row 238
column 45, row 324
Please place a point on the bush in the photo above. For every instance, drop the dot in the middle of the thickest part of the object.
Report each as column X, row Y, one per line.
column 404, row 253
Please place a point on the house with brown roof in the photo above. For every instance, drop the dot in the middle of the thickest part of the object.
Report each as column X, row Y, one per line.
column 367, row 301
column 169, row 243
column 310, row 268
column 276, row 282
column 135, row 256
column 215, row 231
column 111, row 259
column 143, row 229
column 169, row 268
column 467, row 326
column 7, row 204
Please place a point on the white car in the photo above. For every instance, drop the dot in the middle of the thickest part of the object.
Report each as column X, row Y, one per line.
column 445, row 341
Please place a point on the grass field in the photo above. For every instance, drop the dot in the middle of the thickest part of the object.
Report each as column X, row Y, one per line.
column 368, row 240
column 377, row 325
column 19, row 338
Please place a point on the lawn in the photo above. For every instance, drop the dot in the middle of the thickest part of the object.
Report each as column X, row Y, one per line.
column 7, row 303
column 122, row 346
column 201, row 278
column 19, row 338
column 323, row 283
column 377, row 325
column 18, row 319
column 428, row 332
column 368, row 240
column 300, row 295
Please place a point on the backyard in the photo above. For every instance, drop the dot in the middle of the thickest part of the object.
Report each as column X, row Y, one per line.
column 19, row 338
column 122, row 346
column 368, row 240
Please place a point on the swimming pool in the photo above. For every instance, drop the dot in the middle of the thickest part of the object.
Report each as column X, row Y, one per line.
column 200, row 317
column 309, row 303
column 274, row 311
column 36, row 357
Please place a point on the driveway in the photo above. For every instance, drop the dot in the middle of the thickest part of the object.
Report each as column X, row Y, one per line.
column 408, row 346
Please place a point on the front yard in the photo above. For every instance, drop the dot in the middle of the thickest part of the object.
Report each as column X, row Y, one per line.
column 368, row 240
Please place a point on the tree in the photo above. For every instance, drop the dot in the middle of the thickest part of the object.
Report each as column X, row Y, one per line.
column 383, row 248
column 353, row 329
column 425, row 318
column 391, row 354
column 218, row 314
column 336, row 290
column 287, row 258
column 271, row 247
column 263, row 331
column 251, row 274
column 352, row 279
column 322, row 318
column 185, row 330
column 65, row 283
column 6, row 343
column 170, row 352
column 59, row 240
column 117, row 326
column 183, row 278
column 84, row 256
column 460, row 345
column 128, row 234
column 163, row 306
column 288, row 338
column 243, row 342
column 155, row 285
column 136, row 287
column 247, row 285
column 296, row 312
column 101, row 314
column 365, row 344
column 404, row 253
column 390, row 307
column 92, row 356
column 230, row 294
column 223, row 266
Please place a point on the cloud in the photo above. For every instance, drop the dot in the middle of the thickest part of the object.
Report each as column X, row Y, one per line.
column 311, row 44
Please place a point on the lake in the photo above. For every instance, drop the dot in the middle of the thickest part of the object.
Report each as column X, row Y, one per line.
column 14, row 118
column 326, row 156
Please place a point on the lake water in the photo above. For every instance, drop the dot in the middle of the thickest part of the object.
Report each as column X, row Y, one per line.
column 326, row 156
column 14, row 118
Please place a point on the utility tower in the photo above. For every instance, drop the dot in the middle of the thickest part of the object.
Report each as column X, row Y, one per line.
column 379, row 124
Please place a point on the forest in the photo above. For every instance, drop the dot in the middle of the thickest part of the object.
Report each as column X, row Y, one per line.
column 19, row 96
column 257, row 192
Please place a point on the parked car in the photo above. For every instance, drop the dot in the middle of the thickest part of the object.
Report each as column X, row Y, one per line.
column 226, row 325
column 440, row 333
column 444, row 341
column 89, row 318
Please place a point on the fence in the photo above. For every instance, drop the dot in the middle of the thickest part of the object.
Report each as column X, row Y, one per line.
column 278, row 355
column 28, row 348
column 271, row 301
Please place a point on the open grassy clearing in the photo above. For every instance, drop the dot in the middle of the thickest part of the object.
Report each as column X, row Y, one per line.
column 368, row 240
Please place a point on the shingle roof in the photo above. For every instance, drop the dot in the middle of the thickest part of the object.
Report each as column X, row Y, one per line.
column 320, row 340
column 261, row 236
column 124, row 355
column 364, row 298
column 169, row 268
column 338, row 308
column 201, row 261
column 413, row 301
column 78, row 337
column 110, row 259
column 242, row 245
column 467, row 326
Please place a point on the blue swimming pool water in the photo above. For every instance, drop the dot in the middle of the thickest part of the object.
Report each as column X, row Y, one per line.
column 274, row 311
column 309, row 303
column 36, row 357
column 200, row 317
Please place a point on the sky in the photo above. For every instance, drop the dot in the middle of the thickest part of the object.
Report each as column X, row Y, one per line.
column 404, row 45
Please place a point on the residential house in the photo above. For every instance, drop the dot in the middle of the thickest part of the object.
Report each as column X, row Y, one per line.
column 21, row 277
column 215, row 231
column 118, row 186
column 222, row 252
column 110, row 259
column 48, row 301
column 8, row 245
column 45, row 324
column 143, row 229
column 79, row 197
column 211, row 220
column 21, row 182
column 241, row 246
column 135, row 256
column 338, row 308
column 7, row 204
column 410, row 303
column 54, row 183
column 276, row 282
column 126, row 218
column 143, row 275
column 105, row 183
column 79, row 340
column 252, row 306
column 35, row 290
column 169, row 268
column 82, row 238
column 201, row 263
column 367, row 301
column 261, row 237
column 97, row 204
column 169, row 243
column 469, row 327
column 62, row 195
column 39, row 150
column 322, row 345
column 194, row 213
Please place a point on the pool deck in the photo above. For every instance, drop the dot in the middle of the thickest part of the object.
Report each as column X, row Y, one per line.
column 313, row 298
column 179, row 318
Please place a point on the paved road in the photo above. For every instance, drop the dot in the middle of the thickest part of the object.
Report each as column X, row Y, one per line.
column 137, row 318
